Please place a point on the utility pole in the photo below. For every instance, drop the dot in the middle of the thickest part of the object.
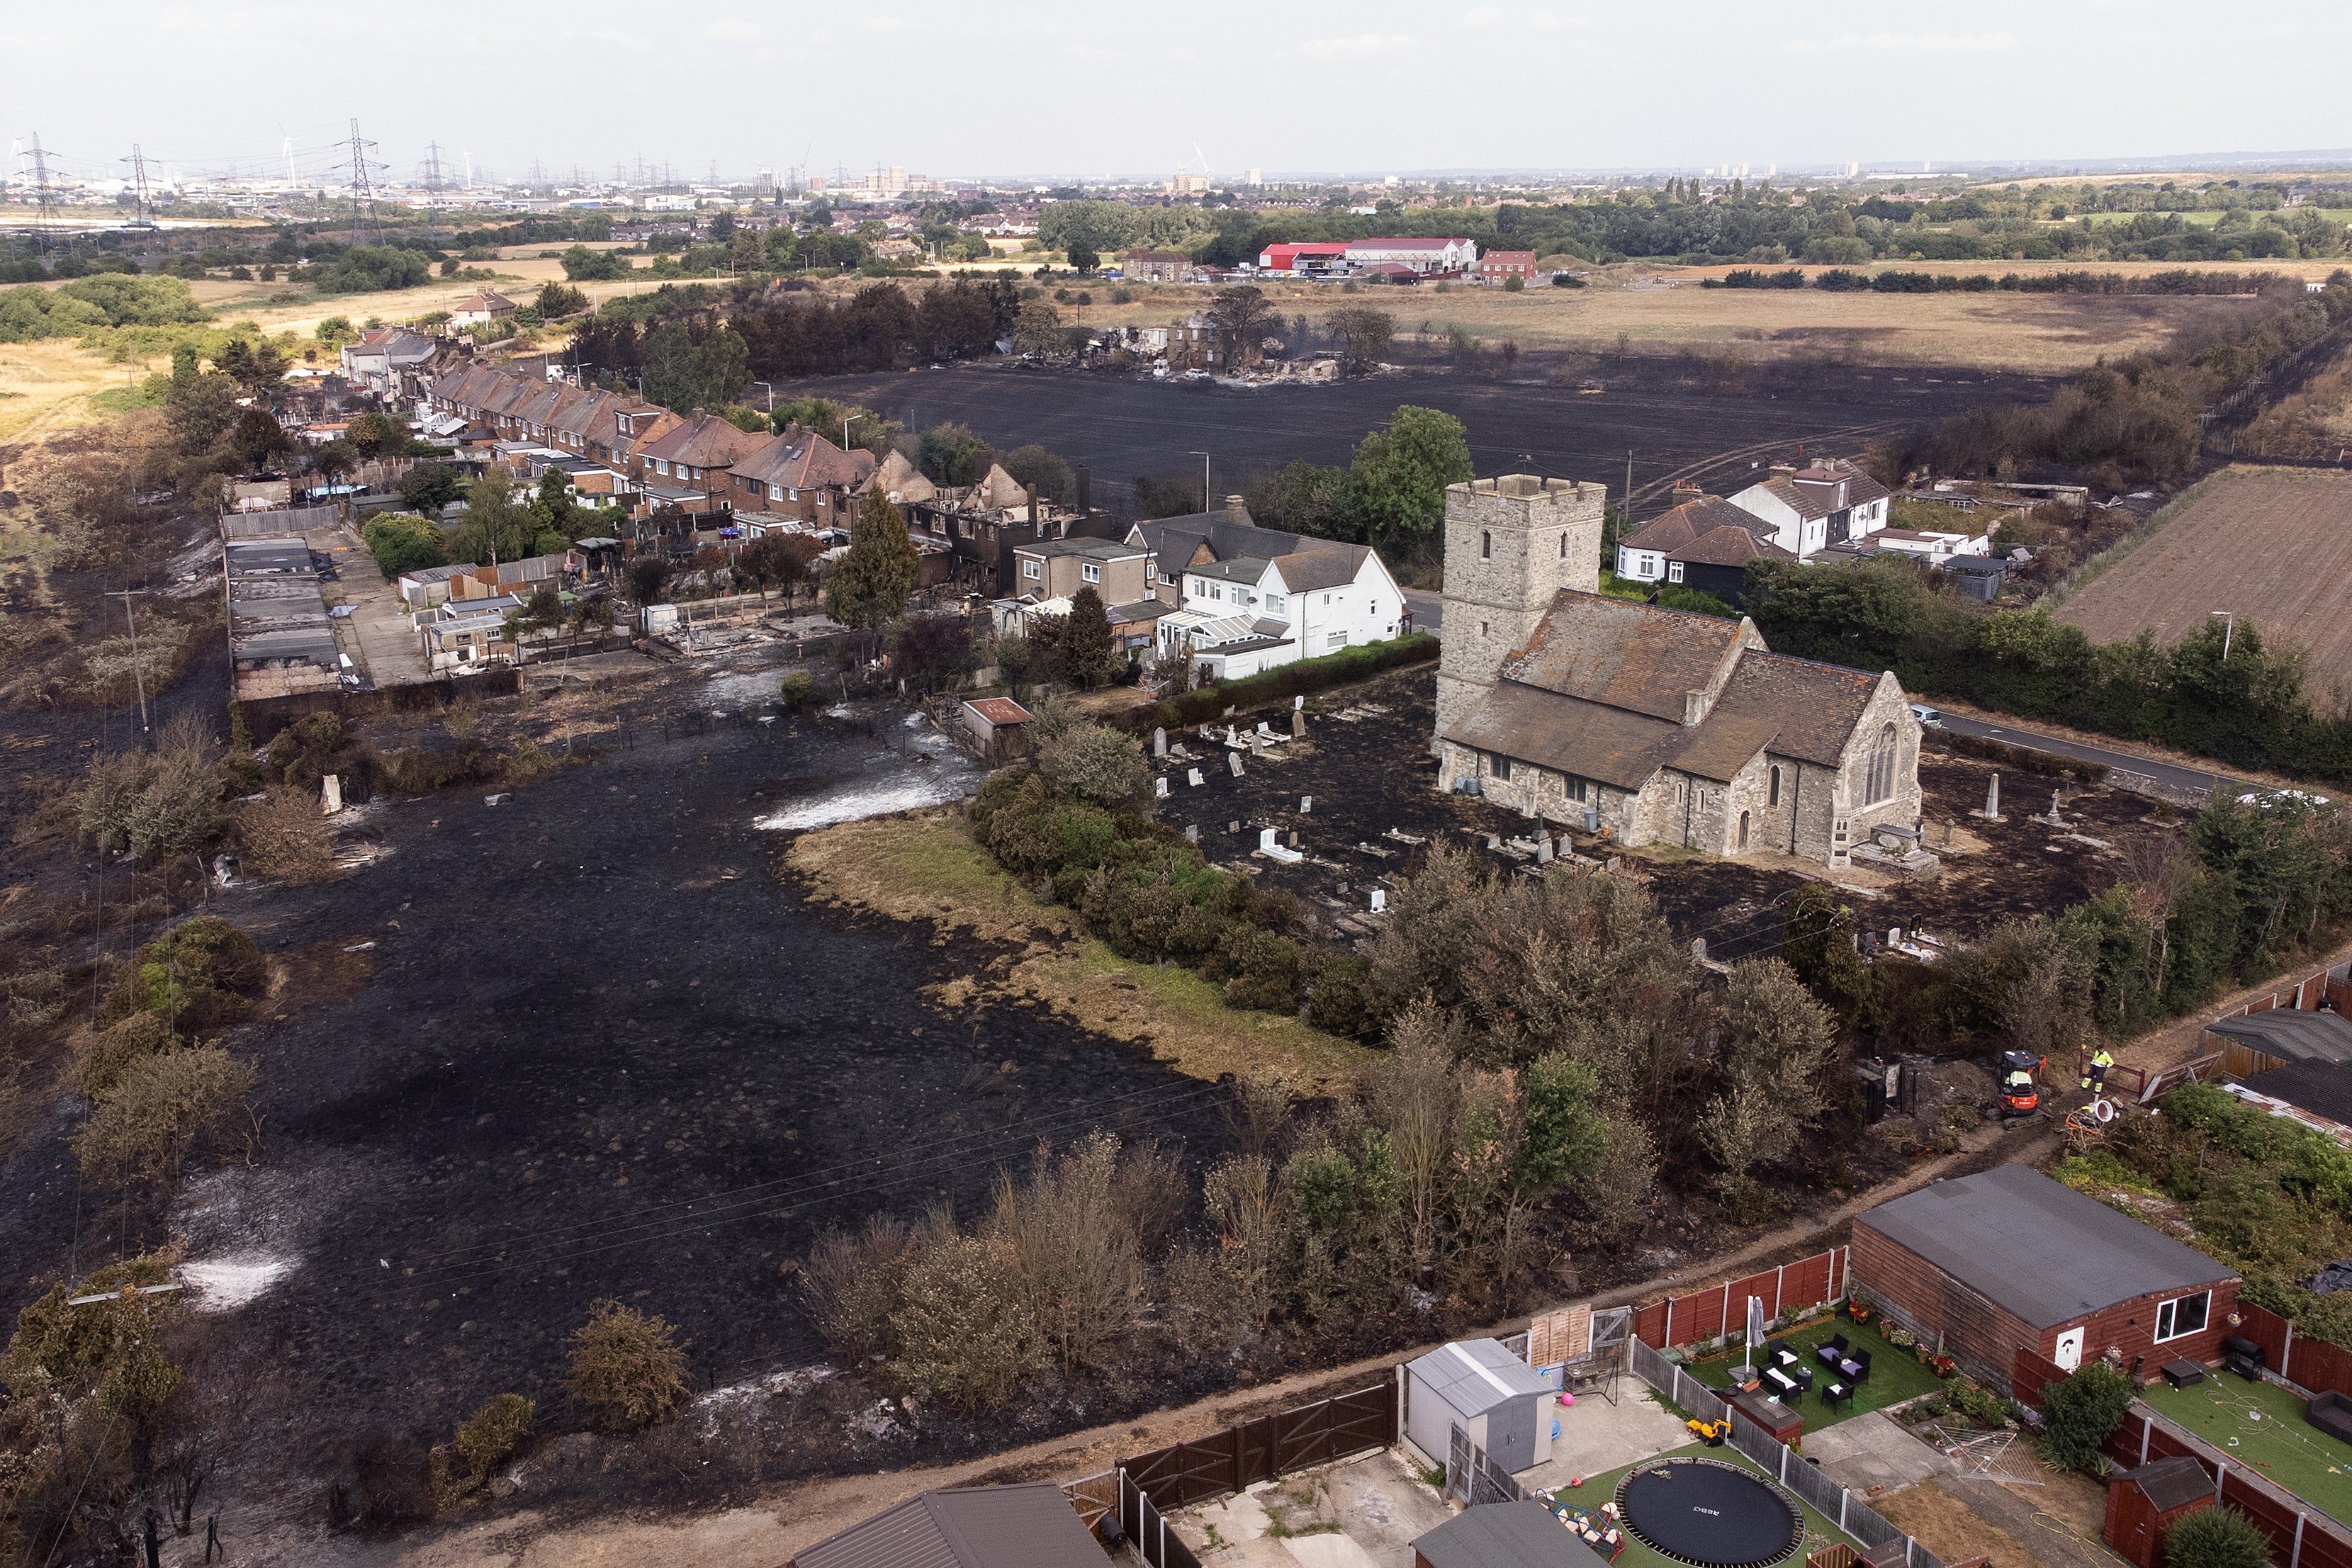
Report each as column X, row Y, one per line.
column 138, row 674
column 363, row 189
column 137, row 162
column 432, row 167
column 45, row 197
column 1204, row 479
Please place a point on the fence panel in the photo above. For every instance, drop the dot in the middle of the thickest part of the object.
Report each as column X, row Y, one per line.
column 2297, row 1535
column 2029, row 1374
column 1148, row 1527
column 1094, row 1496
column 1184, row 1473
column 1723, row 1309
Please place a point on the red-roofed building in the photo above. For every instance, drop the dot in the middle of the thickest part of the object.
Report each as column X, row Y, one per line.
column 1309, row 257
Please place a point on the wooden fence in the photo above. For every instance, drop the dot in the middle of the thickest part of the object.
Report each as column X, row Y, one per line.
column 1722, row 1308
column 2300, row 1537
column 2312, row 1365
column 1271, row 1445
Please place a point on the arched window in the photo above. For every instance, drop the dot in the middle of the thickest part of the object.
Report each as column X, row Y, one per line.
column 1881, row 783
column 1743, row 833
column 1774, row 797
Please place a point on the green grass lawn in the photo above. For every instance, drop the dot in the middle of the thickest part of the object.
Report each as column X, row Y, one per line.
column 1820, row 1530
column 2261, row 1426
column 1895, row 1376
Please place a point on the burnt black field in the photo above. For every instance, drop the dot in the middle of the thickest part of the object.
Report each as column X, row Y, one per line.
column 1661, row 410
column 598, row 1049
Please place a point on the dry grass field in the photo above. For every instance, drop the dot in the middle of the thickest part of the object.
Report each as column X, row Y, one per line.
column 2275, row 546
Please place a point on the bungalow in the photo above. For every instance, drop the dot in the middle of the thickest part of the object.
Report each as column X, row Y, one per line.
column 1986, row 1266
column 1805, row 509
column 1704, row 544
column 487, row 304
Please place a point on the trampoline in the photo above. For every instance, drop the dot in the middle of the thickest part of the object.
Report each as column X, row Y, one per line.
column 1709, row 1514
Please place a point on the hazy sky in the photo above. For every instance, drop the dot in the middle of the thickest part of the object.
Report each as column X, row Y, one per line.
column 983, row 88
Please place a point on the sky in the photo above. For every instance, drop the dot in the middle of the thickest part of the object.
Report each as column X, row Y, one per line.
column 985, row 89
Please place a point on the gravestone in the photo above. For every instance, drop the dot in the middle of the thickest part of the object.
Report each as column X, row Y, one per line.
column 1992, row 800
column 1297, row 723
column 1293, row 838
column 1232, row 827
column 1159, row 788
column 1192, row 777
column 1192, row 833
column 1257, row 744
column 330, row 795
column 1543, row 849
column 1698, row 949
column 1494, row 841
column 1234, row 758
column 1298, row 705
column 1266, row 838
column 1231, row 738
column 1379, row 901
column 1158, row 743
column 1307, row 805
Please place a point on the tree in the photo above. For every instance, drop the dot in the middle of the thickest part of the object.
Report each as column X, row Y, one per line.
column 199, row 405
column 374, row 434
column 401, row 543
column 557, row 301
column 2216, row 1538
column 1033, row 464
column 932, row 649
column 1779, row 1042
column 1363, row 334
column 1399, row 475
column 428, row 487
column 2082, row 1413
column 1083, row 259
column 778, row 560
column 1038, row 331
column 1088, row 653
column 258, row 437
column 869, row 586
column 334, row 461
column 628, row 1367
column 648, row 576
column 952, row 454
column 494, row 528
column 581, row 265
column 723, row 228
column 964, row 1328
column 1241, row 315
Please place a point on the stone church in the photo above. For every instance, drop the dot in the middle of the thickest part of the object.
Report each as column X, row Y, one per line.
column 1653, row 725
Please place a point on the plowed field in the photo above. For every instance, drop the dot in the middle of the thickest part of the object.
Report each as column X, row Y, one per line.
column 2272, row 546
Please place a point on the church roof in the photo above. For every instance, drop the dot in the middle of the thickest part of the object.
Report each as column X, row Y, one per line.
column 1603, row 688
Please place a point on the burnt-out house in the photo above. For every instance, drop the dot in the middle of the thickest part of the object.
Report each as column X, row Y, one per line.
column 1987, row 1265
column 984, row 524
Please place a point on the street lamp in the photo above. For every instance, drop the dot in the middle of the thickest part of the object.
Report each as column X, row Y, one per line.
column 1204, row 479
column 845, row 423
column 2229, row 626
column 771, row 394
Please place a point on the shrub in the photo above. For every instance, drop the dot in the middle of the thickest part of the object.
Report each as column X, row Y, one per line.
column 202, row 974
column 2216, row 1538
column 2082, row 1413
column 122, row 1044
column 285, row 836
column 485, row 1441
column 1260, row 969
column 850, row 1283
column 1300, row 678
column 799, row 690
column 964, row 1331
column 1098, row 763
column 155, row 1113
column 627, row 1367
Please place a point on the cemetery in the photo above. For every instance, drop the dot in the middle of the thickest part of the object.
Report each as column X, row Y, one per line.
column 1332, row 800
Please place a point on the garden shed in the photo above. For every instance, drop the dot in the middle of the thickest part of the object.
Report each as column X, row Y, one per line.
column 1498, row 1401
column 2143, row 1503
column 1521, row 1534
column 1981, row 1267
column 999, row 726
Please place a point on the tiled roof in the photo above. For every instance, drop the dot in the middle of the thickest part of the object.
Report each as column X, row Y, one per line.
column 1730, row 545
column 707, row 441
column 1638, row 657
column 1670, row 530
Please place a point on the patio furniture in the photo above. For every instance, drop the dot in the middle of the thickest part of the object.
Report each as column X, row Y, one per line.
column 1855, row 1366
column 2332, row 1412
column 1804, row 1377
column 1780, row 1381
column 1831, row 1351
column 2180, row 1374
column 1778, row 1351
column 2251, row 1371
column 1832, row 1393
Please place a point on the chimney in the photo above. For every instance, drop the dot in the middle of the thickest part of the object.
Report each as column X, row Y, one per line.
column 1783, row 470
column 1236, row 509
column 1694, row 707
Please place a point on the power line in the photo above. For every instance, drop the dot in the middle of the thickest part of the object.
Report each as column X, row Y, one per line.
column 363, row 225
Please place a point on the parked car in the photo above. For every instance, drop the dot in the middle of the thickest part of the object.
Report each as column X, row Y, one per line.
column 1929, row 717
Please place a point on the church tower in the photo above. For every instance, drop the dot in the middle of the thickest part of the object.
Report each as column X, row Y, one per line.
column 1512, row 543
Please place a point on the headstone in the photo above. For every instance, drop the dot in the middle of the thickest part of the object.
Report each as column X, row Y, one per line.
column 1227, row 714
column 1297, row 723
column 1266, row 838
column 1379, row 901
column 1307, row 805
column 330, row 795
column 1231, row 738
column 1264, row 727
column 1192, row 777
column 1893, row 935
column 1158, row 743
column 1192, row 833
column 1234, row 758
column 1494, row 841
column 1293, row 838
column 1257, row 744
column 1232, row 827
column 1992, row 800
column 1543, row 849
column 1159, row 788
column 1698, row 949
column 1205, row 735
column 1298, row 705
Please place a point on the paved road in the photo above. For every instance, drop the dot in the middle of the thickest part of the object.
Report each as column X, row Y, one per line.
column 2164, row 773
column 1428, row 609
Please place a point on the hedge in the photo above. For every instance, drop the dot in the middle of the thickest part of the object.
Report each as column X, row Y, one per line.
column 2024, row 757
column 1300, row 678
